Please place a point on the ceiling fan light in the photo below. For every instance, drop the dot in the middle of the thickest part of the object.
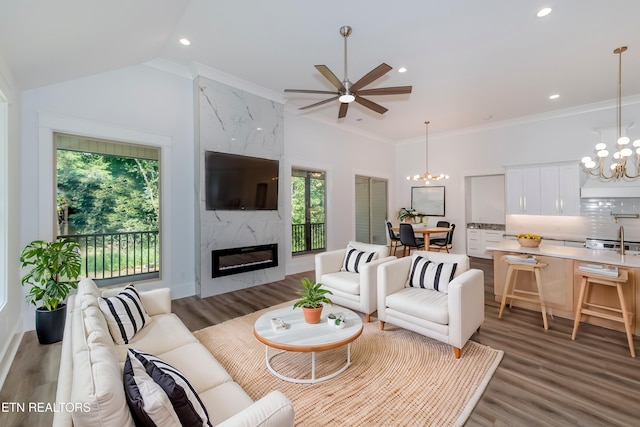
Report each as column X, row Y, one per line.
column 346, row 98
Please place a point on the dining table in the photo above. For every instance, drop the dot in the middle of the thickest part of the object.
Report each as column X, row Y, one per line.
column 425, row 231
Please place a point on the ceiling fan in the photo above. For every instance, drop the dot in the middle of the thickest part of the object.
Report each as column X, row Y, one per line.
column 348, row 92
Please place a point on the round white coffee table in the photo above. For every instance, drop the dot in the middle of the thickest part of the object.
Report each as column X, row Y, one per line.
column 300, row 336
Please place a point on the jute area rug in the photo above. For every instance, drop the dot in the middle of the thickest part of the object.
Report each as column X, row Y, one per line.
column 396, row 378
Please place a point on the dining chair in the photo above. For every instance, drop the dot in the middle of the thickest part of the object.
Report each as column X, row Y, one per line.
column 439, row 237
column 443, row 244
column 409, row 239
column 394, row 239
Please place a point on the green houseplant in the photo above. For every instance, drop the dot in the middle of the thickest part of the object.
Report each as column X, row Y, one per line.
column 409, row 215
column 312, row 298
column 54, row 268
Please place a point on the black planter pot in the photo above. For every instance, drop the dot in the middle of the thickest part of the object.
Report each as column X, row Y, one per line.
column 50, row 324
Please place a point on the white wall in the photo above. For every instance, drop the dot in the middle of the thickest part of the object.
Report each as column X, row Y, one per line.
column 145, row 100
column 10, row 318
column 486, row 194
column 343, row 155
column 561, row 136
column 135, row 103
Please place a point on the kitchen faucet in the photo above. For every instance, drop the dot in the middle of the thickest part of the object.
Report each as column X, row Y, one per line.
column 621, row 236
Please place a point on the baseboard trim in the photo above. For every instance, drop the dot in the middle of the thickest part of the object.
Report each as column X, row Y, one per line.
column 9, row 354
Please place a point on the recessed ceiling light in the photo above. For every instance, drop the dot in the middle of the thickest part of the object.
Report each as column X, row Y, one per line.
column 402, row 70
column 185, row 42
column 543, row 12
column 554, row 96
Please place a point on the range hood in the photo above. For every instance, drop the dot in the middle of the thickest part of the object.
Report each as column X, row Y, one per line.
column 594, row 188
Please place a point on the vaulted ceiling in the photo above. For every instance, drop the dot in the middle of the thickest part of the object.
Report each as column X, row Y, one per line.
column 470, row 62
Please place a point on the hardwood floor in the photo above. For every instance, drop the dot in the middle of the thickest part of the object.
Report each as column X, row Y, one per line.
column 544, row 379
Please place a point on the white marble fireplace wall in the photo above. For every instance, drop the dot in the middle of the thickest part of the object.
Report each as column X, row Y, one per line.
column 230, row 120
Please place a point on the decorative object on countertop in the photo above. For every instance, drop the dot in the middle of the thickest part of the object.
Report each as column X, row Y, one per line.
column 427, row 177
column 622, row 151
column 409, row 215
column 529, row 240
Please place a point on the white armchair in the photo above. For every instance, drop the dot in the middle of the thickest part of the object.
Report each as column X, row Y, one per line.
column 451, row 317
column 357, row 291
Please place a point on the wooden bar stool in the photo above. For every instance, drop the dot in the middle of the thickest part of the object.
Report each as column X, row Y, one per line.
column 597, row 310
column 529, row 296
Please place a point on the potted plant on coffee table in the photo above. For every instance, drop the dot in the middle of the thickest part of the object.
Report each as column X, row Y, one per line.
column 54, row 268
column 312, row 298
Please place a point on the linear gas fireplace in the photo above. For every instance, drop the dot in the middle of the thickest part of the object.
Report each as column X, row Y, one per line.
column 239, row 260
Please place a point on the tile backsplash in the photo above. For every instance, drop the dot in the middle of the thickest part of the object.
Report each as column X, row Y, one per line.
column 595, row 220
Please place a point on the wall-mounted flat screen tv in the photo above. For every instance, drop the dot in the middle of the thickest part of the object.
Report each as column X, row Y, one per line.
column 235, row 182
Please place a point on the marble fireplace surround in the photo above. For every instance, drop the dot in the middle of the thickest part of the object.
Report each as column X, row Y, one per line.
column 233, row 121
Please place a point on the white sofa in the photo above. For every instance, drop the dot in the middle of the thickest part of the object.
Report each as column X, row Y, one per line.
column 450, row 318
column 91, row 376
column 356, row 291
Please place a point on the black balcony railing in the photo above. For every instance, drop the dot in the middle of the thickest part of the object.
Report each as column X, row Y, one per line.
column 112, row 256
column 307, row 237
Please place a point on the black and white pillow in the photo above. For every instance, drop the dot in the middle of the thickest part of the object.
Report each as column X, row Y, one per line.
column 431, row 275
column 125, row 314
column 185, row 402
column 149, row 404
column 355, row 259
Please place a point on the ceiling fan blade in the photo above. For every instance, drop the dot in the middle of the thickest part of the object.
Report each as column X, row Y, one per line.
column 396, row 90
column 319, row 103
column 371, row 105
column 371, row 76
column 343, row 110
column 328, row 74
column 328, row 92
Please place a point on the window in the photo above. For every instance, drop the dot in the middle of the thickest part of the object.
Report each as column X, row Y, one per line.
column 108, row 201
column 308, row 215
column 4, row 204
column 371, row 210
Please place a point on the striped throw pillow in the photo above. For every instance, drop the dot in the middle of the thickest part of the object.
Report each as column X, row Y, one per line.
column 149, row 404
column 431, row 275
column 185, row 402
column 355, row 259
column 125, row 314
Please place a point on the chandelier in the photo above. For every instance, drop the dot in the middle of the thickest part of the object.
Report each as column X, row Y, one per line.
column 618, row 168
column 427, row 176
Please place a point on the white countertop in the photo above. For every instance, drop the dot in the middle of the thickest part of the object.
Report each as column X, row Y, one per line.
column 631, row 259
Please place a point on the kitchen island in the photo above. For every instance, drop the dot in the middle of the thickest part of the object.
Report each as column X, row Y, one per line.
column 561, row 279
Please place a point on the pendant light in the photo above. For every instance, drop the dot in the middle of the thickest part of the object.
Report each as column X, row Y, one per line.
column 427, row 177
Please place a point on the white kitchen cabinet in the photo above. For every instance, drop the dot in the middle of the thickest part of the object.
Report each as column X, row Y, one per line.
column 478, row 241
column 490, row 238
column 560, row 190
column 474, row 242
column 523, row 190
